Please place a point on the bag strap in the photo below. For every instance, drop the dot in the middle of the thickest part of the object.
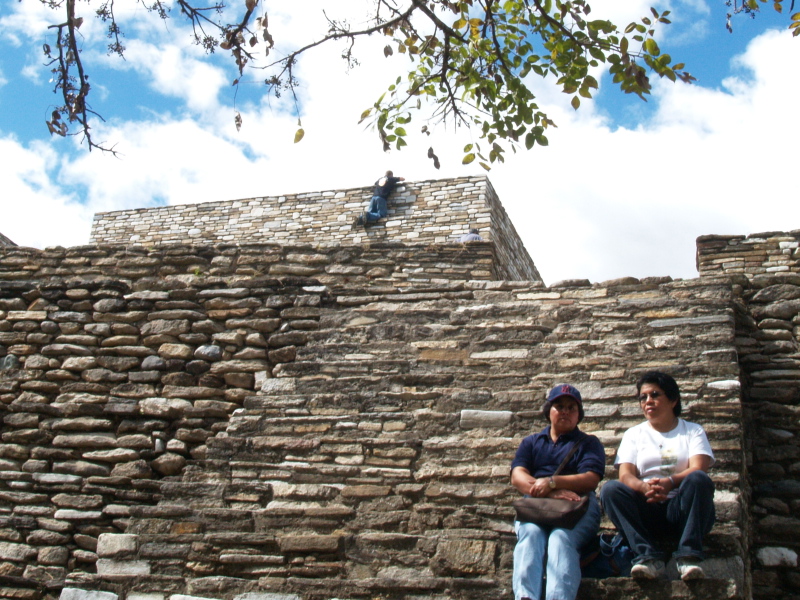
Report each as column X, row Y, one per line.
column 569, row 455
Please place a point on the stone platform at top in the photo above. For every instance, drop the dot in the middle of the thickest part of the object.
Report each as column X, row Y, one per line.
column 420, row 213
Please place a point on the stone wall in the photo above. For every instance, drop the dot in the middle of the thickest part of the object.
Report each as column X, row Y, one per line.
column 393, row 264
column 765, row 268
column 768, row 345
column 421, row 212
column 755, row 254
column 4, row 241
column 264, row 435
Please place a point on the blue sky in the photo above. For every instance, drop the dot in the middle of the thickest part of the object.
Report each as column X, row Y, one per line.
column 632, row 183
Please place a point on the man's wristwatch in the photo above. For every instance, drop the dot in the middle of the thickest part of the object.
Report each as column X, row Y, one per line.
column 552, row 483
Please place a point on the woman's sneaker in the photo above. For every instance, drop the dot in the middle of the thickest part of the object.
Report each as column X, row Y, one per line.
column 649, row 569
column 688, row 568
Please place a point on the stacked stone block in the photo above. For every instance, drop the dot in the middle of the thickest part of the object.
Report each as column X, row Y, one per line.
column 773, row 253
column 768, row 344
column 423, row 212
column 358, row 445
column 4, row 241
column 392, row 264
column 106, row 391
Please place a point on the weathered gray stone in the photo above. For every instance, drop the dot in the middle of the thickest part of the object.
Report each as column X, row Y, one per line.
column 107, row 566
column 232, row 366
column 154, row 363
column 16, row 552
column 773, row 556
column 79, row 594
column 208, row 352
column 462, row 556
column 111, row 545
column 471, row 419
column 164, row 407
column 77, row 515
column 137, row 469
column 169, row 464
column 88, row 440
column 113, row 456
column 53, row 555
column 166, row 327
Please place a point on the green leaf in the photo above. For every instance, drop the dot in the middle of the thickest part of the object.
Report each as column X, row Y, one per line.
column 468, row 158
column 468, row 147
column 597, row 53
column 298, row 135
column 460, row 24
column 652, row 47
column 530, row 140
column 576, row 102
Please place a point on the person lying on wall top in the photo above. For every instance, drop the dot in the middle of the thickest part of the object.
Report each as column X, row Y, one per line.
column 663, row 485
column 377, row 206
column 539, row 471
column 471, row 236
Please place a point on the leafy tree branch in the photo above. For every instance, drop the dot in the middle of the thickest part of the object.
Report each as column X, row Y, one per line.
column 473, row 63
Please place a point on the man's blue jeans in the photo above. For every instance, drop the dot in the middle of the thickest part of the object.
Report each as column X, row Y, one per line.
column 377, row 209
column 690, row 514
column 560, row 548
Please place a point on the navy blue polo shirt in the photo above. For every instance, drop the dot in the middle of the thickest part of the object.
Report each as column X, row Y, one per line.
column 541, row 457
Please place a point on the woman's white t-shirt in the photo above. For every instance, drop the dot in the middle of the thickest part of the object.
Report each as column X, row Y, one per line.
column 657, row 454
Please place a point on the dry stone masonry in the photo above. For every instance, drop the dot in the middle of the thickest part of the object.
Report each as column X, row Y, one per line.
column 305, row 421
column 423, row 212
column 755, row 254
column 4, row 241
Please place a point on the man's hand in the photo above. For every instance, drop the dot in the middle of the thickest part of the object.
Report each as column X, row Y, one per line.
column 564, row 495
column 540, row 488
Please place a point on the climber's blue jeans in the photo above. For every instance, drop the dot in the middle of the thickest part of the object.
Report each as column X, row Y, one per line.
column 377, row 209
column 557, row 551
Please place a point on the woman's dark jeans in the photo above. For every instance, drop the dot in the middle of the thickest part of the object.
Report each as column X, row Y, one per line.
column 689, row 515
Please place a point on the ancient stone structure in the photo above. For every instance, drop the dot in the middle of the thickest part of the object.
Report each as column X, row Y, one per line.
column 310, row 421
column 421, row 212
column 4, row 241
column 756, row 254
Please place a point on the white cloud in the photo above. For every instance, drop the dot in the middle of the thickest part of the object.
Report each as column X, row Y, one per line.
column 172, row 71
column 36, row 211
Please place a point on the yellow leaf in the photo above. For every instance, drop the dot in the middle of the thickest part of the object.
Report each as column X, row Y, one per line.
column 299, row 135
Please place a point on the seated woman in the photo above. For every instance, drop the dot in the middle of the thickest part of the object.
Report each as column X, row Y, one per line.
column 663, row 486
column 537, row 459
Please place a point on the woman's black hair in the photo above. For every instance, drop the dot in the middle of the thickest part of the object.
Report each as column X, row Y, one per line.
column 666, row 383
